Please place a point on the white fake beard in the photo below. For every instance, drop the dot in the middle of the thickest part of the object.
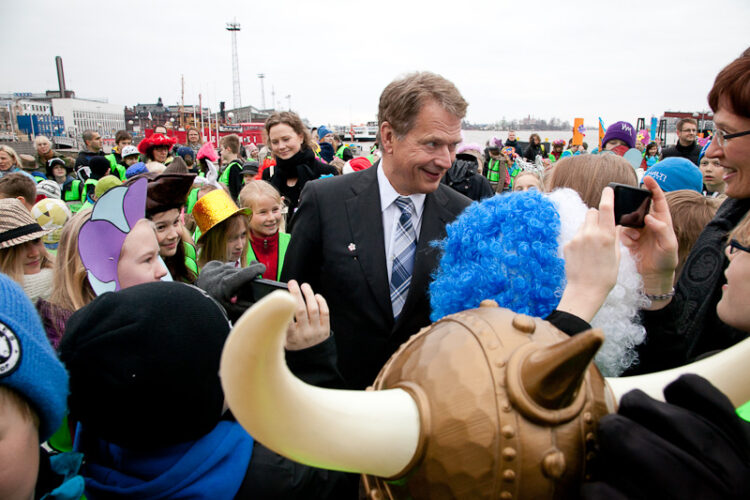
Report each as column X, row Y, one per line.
column 618, row 317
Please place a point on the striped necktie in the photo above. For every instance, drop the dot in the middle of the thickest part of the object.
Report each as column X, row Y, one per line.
column 403, row 248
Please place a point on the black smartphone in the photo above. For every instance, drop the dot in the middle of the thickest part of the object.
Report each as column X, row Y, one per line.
column 262, row 287
column 631, row 204
column 259, row 288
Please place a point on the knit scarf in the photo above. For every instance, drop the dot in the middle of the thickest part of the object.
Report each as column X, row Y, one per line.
column 214, row 467
column 38, row 285
column 300, row 166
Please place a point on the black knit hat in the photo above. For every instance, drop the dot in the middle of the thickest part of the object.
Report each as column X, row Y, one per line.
column 98, row 166
column 144, row 365
column 56, row 161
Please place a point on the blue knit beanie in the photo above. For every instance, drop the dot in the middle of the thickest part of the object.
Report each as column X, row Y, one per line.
column 184, row 151
column 620, row 130
column 323, row 131
column 675, row 173
column 28, row 364
column 136, row 169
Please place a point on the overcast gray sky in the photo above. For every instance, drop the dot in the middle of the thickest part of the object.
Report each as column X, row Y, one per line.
column 545, row 58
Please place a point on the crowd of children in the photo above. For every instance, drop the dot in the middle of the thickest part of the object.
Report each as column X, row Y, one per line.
column 130, row 268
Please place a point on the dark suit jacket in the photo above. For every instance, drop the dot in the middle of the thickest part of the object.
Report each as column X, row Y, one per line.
column 338, row 247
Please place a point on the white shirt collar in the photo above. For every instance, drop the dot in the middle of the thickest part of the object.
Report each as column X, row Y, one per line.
column 388, row 194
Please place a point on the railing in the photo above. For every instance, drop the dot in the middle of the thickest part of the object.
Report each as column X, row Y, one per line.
column 64, row 141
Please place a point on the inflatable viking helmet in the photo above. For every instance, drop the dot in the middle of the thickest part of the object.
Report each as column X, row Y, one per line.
column 483, row 403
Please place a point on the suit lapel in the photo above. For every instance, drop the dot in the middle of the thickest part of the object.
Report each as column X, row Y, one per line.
column 434, row 219
column 366, row 225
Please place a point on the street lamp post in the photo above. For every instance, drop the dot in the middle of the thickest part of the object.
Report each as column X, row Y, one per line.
column 262, row 91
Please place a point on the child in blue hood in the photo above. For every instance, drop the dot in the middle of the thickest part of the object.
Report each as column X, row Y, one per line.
column 146, row 395
column 33, row 387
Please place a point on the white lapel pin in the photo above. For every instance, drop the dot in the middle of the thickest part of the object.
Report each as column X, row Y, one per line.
column 352, row 247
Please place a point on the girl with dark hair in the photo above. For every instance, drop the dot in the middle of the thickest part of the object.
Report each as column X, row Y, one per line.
column 166, row 197
column 650, row 156
column 296, row 163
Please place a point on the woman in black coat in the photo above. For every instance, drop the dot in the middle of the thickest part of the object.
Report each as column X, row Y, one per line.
column 534, row 149
column 296, row 163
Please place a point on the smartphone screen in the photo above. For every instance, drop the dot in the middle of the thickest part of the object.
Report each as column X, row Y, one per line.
column 631, row 205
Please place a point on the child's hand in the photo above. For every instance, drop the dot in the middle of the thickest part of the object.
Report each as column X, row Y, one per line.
column 311, row 323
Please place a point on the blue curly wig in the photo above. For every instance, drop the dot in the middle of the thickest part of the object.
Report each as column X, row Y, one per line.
column 503, row 248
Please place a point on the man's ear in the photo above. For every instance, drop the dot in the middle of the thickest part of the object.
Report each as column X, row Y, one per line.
column 387, row 136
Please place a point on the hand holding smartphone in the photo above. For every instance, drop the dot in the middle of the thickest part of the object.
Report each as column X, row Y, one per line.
column 631, row 205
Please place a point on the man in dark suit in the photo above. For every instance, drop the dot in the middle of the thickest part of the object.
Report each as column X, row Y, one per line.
column 345, row 227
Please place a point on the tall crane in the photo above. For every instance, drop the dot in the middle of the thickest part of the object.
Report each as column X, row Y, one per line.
column 234, row 27
column 182, row 102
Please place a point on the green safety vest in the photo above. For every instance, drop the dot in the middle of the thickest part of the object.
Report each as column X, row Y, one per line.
column 61, row 440
column 283, row 244
column 493, row 170
column 72, row 196
column 89, row 182
column 340, row 152
column 191, row 257
column 115, row 168
column 224, row 179
column 191, row 200
column 744, row 411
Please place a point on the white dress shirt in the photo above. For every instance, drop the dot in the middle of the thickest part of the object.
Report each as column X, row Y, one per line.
column 391, row 213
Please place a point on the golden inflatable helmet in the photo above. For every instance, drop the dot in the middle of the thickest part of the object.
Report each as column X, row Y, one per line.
column 483, row 403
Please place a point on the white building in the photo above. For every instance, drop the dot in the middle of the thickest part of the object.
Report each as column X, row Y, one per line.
column 24, row 107
column 81, row 114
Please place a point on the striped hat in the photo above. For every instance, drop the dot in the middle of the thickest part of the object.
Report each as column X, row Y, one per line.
column 17, row 225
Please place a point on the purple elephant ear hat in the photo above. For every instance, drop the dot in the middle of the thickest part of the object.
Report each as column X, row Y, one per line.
column 101, row 238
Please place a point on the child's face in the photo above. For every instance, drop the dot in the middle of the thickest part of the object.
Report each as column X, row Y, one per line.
column 266, row 217
column 652, row 151
column 713, row 173
column 130, row 160
column 168, row 230
column 31, row 253
column 613, row 143
column 526, row 182
column 139, row 258
column 19, row 451
column 236, row 237
column 59, row 172
column 248, row 178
